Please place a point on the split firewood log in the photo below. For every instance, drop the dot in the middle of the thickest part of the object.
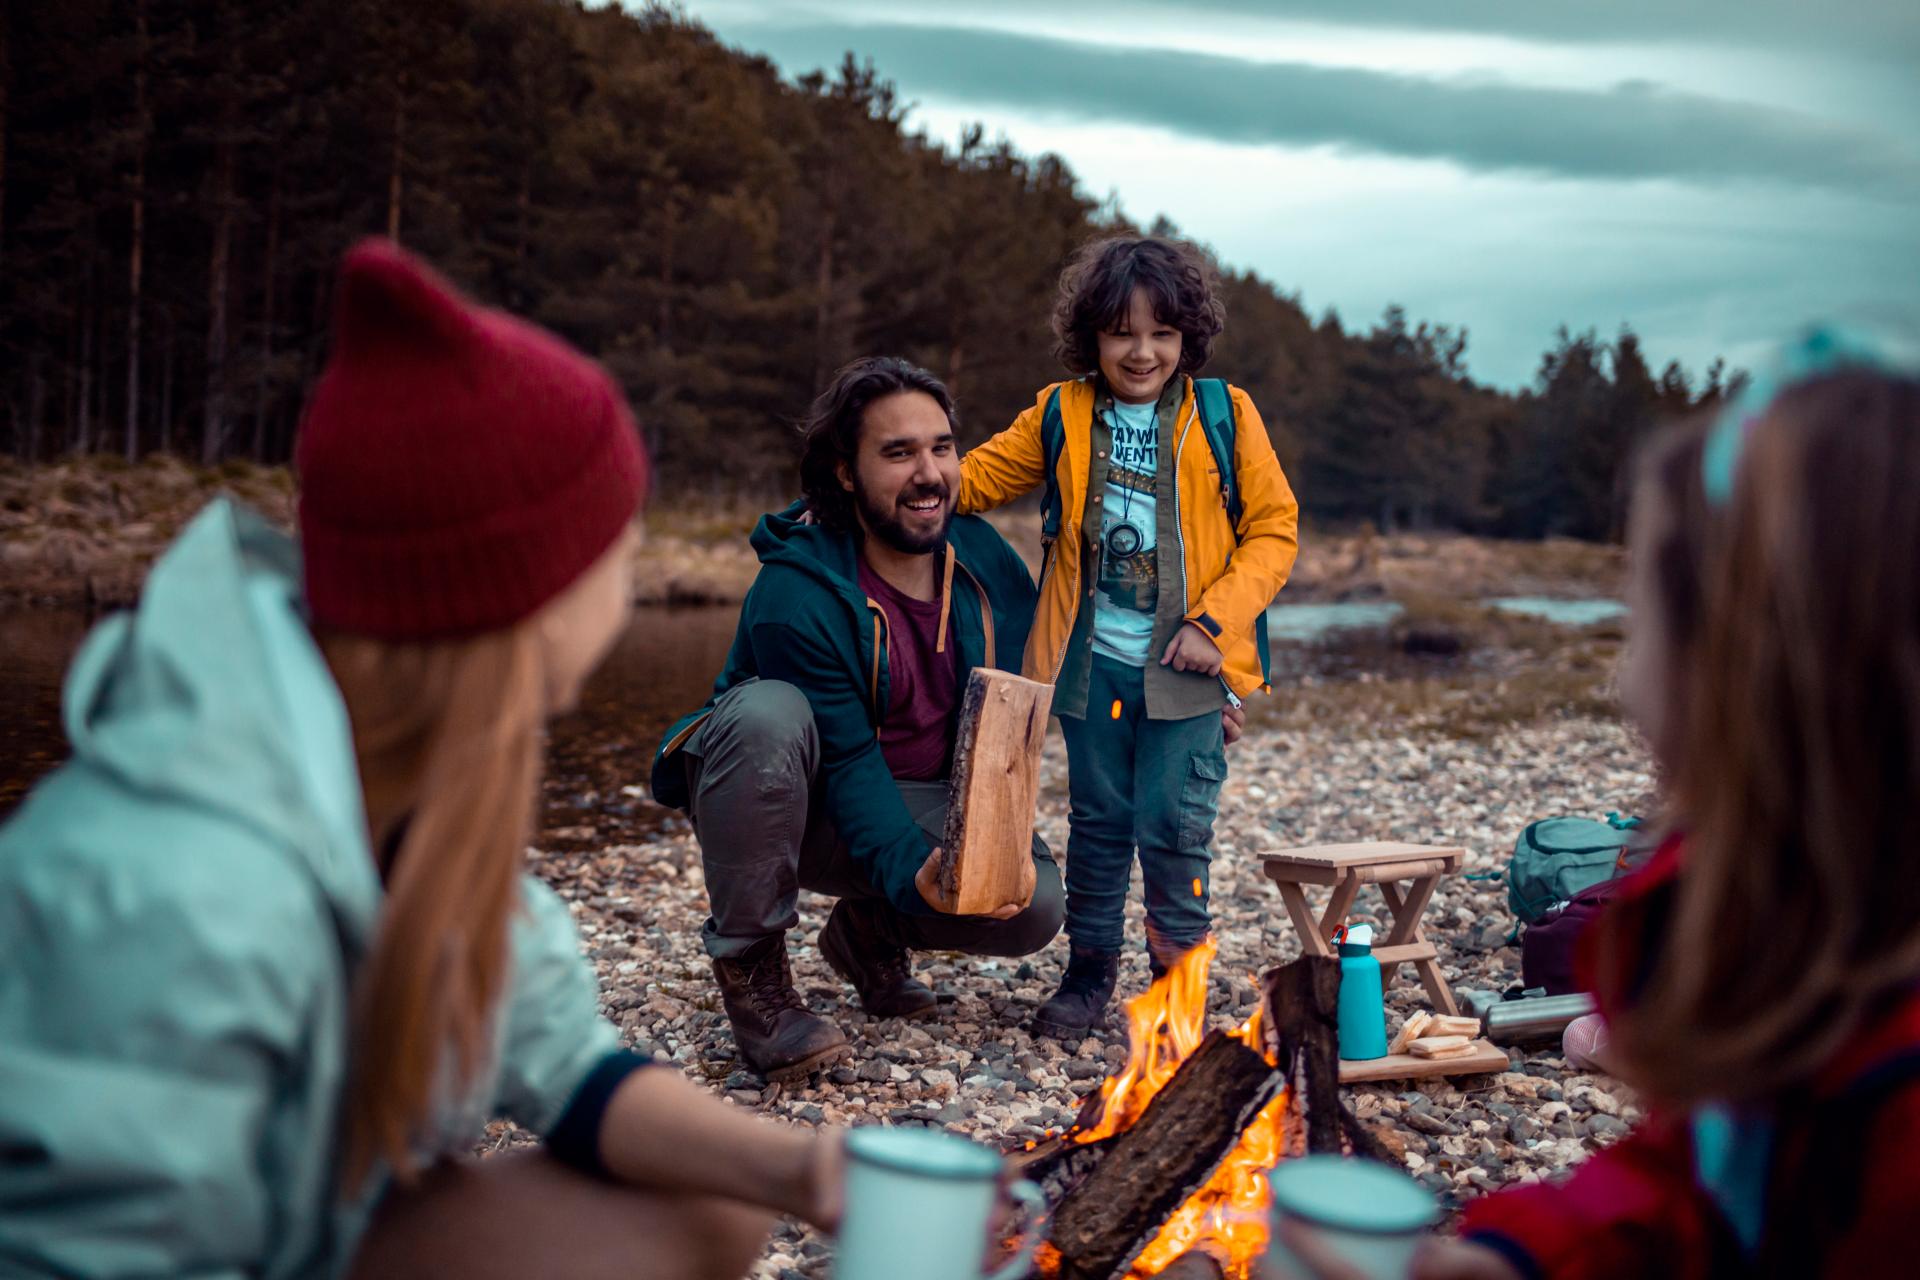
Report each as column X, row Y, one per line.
column 986, row 859
column 1410, row 1030
column 1441, row 1047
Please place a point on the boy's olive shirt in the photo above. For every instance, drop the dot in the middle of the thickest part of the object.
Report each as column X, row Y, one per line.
column 1170, row 694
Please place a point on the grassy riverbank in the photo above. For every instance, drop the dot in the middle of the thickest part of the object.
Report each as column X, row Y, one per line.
column 85, row 531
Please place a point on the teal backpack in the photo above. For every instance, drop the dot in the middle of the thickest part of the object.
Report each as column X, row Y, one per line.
column 1215, row 403
column 1556, row 858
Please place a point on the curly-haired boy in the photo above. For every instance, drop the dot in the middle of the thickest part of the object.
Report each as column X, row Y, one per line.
column 1169, row 528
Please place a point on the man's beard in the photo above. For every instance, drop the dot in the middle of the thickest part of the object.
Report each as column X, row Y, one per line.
column 883, row 522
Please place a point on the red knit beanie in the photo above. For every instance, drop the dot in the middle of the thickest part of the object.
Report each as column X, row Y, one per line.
column 458, row 468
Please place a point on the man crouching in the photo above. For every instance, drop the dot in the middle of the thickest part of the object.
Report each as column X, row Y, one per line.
column 821, row 760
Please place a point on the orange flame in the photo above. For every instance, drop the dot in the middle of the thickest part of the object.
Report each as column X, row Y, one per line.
column 1228, row 1216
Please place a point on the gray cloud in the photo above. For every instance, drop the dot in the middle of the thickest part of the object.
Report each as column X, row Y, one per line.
column 1879, row 30
column 1873, row 27
column 1635, row 130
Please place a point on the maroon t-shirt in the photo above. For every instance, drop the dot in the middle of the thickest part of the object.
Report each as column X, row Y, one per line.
column 916, row 735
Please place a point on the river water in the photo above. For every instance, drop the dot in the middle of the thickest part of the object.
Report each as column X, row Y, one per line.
column 662, row 667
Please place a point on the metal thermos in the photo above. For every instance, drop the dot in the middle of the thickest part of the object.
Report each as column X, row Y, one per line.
column 1534, row 1018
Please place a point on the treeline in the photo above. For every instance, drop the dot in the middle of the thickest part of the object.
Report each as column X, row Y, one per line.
column 179, row 177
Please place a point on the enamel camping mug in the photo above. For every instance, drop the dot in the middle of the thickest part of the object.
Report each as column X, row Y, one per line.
column 1367, row 1215
column 918, row 1204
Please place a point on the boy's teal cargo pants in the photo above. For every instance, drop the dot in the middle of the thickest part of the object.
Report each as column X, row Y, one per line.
column 1135, row 783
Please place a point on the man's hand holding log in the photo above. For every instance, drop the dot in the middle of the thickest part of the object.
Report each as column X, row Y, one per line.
column 927, row 881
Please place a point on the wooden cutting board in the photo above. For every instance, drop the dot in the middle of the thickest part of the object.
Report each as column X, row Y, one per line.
column 1486, row 1056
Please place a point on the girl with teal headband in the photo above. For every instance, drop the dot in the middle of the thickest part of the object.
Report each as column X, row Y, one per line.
column 1761, row 976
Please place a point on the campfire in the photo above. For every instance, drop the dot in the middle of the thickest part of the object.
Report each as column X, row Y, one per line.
column 1165, row 1172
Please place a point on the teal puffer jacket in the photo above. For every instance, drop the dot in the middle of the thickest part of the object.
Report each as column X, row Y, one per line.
column 183, row 907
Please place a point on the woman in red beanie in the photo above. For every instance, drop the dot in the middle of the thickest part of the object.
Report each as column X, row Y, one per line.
column 268, row 960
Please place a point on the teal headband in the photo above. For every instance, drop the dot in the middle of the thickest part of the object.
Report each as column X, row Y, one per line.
column 1822, row 350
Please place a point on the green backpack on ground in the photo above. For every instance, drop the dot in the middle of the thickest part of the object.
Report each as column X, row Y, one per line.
column 1556, row 858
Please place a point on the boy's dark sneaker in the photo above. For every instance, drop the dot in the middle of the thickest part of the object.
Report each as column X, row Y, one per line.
column 879, row 969
column 774, row 1031
column 1080, row 1005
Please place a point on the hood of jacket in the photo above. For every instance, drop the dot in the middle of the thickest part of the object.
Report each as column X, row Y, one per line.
column 251, row 727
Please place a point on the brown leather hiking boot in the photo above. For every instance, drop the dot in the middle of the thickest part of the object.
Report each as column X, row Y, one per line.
column 880, row 970
column 773, row 1030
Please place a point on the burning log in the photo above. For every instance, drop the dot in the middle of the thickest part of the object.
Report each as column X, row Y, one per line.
column 1196, row 1264
column 1167, row 1155
column 1303, row 1001
column 986, row 858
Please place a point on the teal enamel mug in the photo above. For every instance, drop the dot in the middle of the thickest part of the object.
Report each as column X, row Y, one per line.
column 1370, row 1217
column 919, row 1203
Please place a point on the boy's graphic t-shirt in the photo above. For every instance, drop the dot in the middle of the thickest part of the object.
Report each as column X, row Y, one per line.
column 1128, row 590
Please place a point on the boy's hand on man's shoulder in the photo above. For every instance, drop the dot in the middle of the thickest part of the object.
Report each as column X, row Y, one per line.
column 1192, row 649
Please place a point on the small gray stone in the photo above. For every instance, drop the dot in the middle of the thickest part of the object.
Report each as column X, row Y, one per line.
column 874, row 1071
column 1601, row 1125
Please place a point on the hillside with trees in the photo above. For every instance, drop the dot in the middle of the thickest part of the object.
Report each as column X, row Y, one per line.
column 179, row 177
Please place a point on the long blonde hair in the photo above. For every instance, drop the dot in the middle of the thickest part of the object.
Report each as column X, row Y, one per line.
column 456, row 728
column 1793, row 620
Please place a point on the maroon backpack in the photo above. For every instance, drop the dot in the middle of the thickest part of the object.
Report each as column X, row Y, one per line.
column 1548, row 947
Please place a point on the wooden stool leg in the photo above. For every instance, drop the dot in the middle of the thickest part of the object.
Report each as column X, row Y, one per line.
column 1407, row 911
column 1312, row 943
column 1338, row 905
column 1313, row 933
column 1436, row 986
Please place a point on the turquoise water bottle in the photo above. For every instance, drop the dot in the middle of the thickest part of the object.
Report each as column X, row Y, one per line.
column 1363, row 1016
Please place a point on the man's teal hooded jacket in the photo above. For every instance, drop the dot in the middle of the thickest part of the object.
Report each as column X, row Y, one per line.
column 806, row 621
column 183, row 907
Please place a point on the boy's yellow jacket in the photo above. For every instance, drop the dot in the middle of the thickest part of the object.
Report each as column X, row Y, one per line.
column 1231, row 575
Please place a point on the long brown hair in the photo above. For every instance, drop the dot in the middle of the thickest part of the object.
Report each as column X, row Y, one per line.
column 455, row 729
column 1792, row 619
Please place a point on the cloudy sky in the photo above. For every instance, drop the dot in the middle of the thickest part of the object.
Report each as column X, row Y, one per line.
column 1713, row 172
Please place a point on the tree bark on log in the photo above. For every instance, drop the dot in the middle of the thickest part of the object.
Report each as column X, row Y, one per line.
column 1169, row 1153
column 986, row 855
column 1303, row 1003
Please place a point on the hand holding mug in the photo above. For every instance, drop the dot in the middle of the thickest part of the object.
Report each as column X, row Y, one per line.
column 927, row 1204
